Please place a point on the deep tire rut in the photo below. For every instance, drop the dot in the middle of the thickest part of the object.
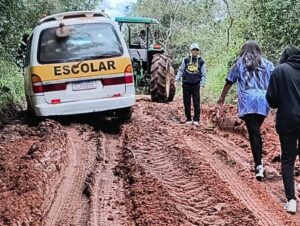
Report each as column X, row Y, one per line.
column 70, row 206
column 270, row 193
column 240, row 189
column 108, row 199
column 202, row 182
column 193, row 190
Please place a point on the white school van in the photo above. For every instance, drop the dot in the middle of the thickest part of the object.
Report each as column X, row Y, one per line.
column 78, row 62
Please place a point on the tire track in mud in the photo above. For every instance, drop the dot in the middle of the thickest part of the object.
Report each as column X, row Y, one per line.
column 70, row 206
column 107, row 199
column 202, row 181
column 243, row 156
column 271, row 190
column 239, row 189
column 86, row 192
column 233, row 135
column 193, row 190
column 184, row 188
column 172, row 178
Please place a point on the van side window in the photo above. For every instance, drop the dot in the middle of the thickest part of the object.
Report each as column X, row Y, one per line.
column 28, row 50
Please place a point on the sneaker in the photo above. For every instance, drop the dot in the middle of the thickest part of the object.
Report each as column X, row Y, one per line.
column 189, row 122
column 260, row 172
column 291, row 206
column 196, row 123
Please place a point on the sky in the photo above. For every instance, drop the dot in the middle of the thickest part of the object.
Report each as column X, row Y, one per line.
column 115, row 8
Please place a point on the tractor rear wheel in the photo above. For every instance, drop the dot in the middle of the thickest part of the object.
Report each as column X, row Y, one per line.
column 172, row 86
column 162, row 84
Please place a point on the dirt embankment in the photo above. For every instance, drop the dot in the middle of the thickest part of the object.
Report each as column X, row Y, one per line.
column 9, row 112
column 226, row 119
column 152, row 171
column 30, row 161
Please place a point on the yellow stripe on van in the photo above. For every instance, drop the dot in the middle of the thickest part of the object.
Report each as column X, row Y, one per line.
column 79, row 69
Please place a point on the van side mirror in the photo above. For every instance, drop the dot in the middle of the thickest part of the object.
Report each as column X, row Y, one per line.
column 20, row 61
column 22, row 50
column 20, row 57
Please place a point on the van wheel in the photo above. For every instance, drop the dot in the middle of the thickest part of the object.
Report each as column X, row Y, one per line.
column 30, row 112
column 29, row 108
column 125, row 114
column 162, row 84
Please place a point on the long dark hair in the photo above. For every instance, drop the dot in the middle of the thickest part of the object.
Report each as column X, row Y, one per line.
column 251, row 54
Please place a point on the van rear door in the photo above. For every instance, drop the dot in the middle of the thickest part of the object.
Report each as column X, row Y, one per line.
column 86, row 64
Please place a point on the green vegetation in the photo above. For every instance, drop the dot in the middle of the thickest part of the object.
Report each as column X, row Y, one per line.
column 221, row 27
column 11, row 83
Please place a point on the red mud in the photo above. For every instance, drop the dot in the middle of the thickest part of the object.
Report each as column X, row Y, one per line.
column 153, row 171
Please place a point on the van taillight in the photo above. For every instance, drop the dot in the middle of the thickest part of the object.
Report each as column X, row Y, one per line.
column 38, row 87
column 128, row 74
column 127, row 79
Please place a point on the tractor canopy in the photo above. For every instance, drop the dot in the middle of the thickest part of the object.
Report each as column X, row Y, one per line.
column 136, row 20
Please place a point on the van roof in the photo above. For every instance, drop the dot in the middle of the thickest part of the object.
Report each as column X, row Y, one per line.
column 71, row 15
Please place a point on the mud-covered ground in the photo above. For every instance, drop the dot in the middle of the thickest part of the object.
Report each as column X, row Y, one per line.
column 153, row 170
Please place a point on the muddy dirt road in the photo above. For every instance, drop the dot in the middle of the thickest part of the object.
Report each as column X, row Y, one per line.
column 151, row 171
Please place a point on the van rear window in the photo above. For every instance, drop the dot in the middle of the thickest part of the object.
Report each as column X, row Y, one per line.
column 85, row 41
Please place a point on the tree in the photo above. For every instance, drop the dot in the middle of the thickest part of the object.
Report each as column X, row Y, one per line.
column 277, row 23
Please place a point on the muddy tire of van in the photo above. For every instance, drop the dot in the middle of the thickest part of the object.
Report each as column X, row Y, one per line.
column 162, row 83
column 30, row 114
column 124, row 114
column 29, row 107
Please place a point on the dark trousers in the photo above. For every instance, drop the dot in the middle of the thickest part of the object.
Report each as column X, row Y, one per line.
column 289, row 152
column 191, row 91
column 253, row 124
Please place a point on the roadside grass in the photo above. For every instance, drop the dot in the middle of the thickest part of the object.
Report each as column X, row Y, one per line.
column 11, row 84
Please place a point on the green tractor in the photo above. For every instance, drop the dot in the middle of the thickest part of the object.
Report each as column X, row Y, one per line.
column 153, row 72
